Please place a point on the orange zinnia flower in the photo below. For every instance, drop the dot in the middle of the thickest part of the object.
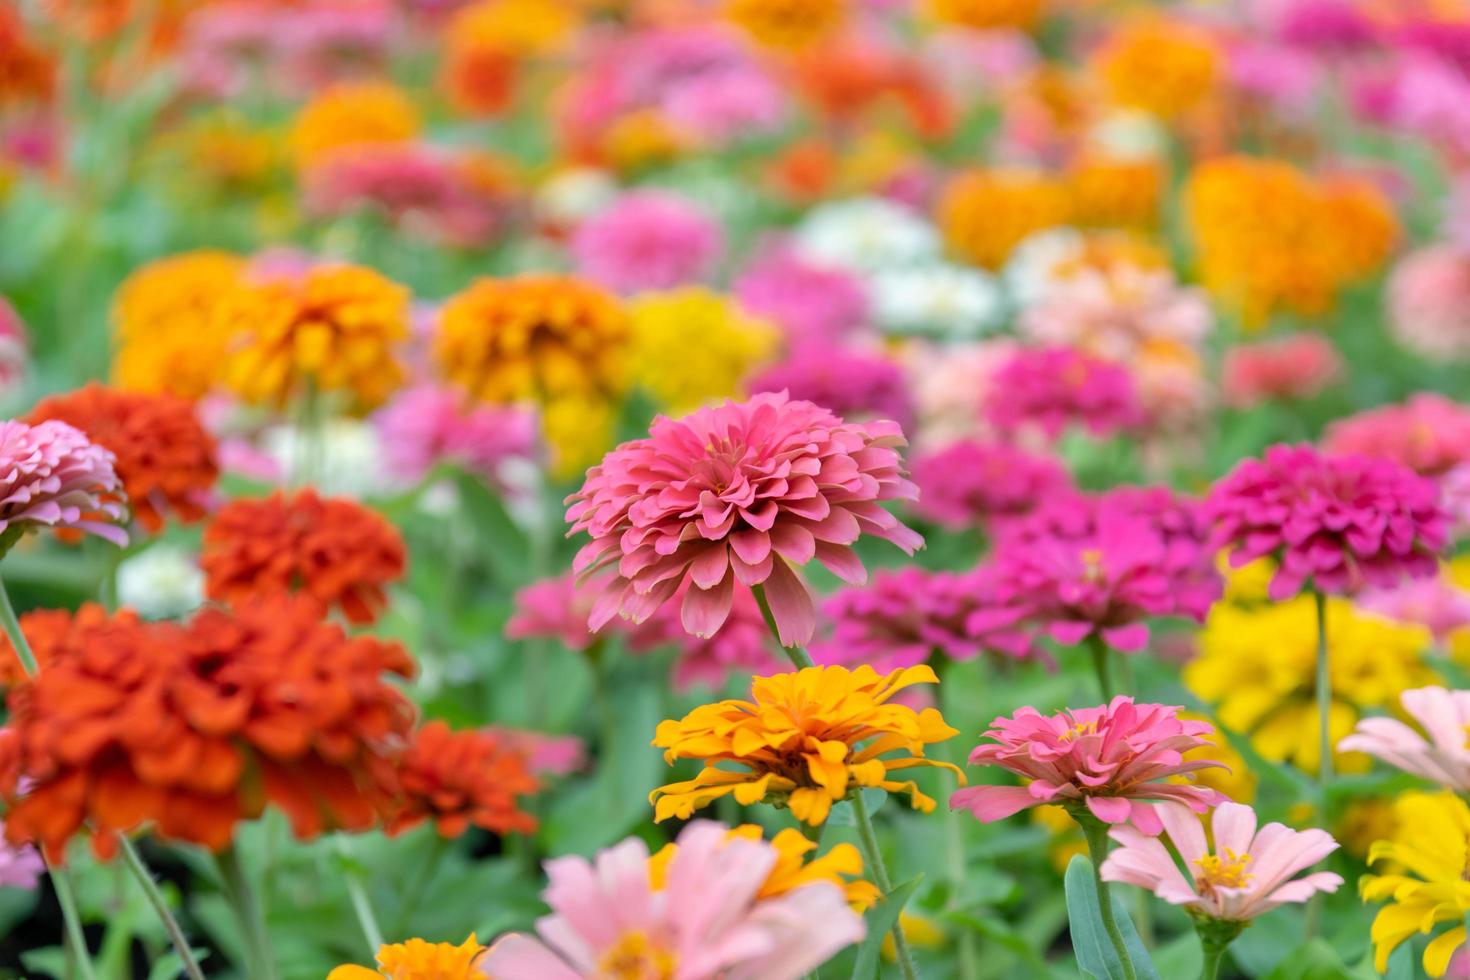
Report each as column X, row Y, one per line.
column 54, row 633
column 463, row 778
column 984, row 214
column 333, row 549
column 165, row 457
column 194, row 728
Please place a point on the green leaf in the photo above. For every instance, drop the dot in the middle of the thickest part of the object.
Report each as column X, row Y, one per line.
column 170, row 967
column 502, row 542
column 1095, row 953
column 881, row 919
column 1317, row 960
column 50, row 961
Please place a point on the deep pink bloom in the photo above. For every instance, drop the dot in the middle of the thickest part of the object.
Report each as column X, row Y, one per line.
column 708, row 920
column 1248, row 873
column 1291, row 368
column 423, row 192
column 976, row 484
column 52, row 475
column 1053, row 388
column 553, row 609
column 905, row 616
column 738, row 493
column 1106, row 564
column 813, row 304
column 852, row 384
column 647, row 240
column 1113, row 758
column 1322, row 25
column 1280, row 75
column 427, row 425
column 1338, row 522
column 1429, row 434
column 1429, row 302
column 1442, row 758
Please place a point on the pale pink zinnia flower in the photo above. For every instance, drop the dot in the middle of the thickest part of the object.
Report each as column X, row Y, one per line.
column 1336, row 522
column 708, row 920
column 545, row 755
column 1434, row 603
column 1291, row 368
column 1053, row 388
column 427, row 425
column 14, row 348
column 52, row 475
column 647, row 240
column 1117, row 313
column 1113, row 758
column 1442, row 757
column 1429, row 303
column 1248, row 873
column 977, row 484
column 1429, row 433
column 738, row 494
column 20, row 865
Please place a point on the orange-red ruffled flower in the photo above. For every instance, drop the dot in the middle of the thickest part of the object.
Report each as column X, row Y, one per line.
column 54, row 633
column 195, row 728
column 165, row 457
column 463, row 778
column 332, row 549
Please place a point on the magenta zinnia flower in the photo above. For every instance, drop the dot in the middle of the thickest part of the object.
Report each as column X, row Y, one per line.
column 1338, row 522
column 1112, row 758
column 1441, row 758
column 1053, row 388
column 705, row 918
column 427, row 425
column 814, row 304
column 1104, row 565
column 976, row 484
column 905, row 616
column 647, row 240
column 52, row 475
column 852, row 384
column 1248, row 873
column 738, row 494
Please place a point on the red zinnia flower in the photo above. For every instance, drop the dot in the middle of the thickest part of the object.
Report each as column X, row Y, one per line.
column 463, row 778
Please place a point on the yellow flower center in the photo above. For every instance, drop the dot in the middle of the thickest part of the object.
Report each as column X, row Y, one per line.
column 1079, row 730
column 1092, row 563
column 636, row 957
column 1223, row 872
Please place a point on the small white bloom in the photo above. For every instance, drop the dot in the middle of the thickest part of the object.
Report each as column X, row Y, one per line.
column 1129, row 134
column 1036, row 265
column 573, row 195
column 344, row 458
column 866, row 234
column 937, row 300
column 161, row 583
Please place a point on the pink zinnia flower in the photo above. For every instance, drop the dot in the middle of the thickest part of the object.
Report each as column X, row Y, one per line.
column 1248, row 873
column 738, row 493
column 1103, row 565
column 742, row 646
column 1053, row 388
column 1429, row 434
column 1429, row 303
column 1442, row 757
column 725, row 106
column 1118, row 313
column 553, row 609
column 852, row 384
column 976, row 484
column 20, row 865
column 1112, row 758
column 545, row 755
column 905, row 616
column 52, row 475
column 1292, row 368
column 1338, row 522
column 708, row 920
column 427, row 425
column 814, row 304
column 647, row 240
column 1434, row 603
column 14, row 347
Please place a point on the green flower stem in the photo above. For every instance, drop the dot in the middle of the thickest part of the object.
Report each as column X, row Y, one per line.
column 1101, row 664
column 261, row 965
column 1215, row 937
column 155, row 898
column 967, row 966
column 799, row 657
column 1214, row 956
column 11, row 624
column 1097, row 848
column 76, row 941
column 1324, row 692
column 362, row 907
column 879, row 872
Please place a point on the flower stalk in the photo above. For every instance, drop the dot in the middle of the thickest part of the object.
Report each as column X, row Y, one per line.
column 1215, row 937
column 874, row 858
column 1324, row 692
column 1096, row 833
column 797, row 654
column 248, row 916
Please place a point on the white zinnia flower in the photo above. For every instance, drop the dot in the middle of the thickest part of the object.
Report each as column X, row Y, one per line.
column 160, row 583
column 343, row 458
column 866, row 234
column 938, row 300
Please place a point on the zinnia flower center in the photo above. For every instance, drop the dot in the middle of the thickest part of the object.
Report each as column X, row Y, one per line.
column 1223, row 872
column 636, row 957
column 1079, row 730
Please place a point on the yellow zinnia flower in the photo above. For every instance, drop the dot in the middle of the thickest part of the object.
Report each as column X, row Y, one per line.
column 418, row 960
column 166, row 323
column 806, row 738
column 841, row 866
column 1161, row 66
column 1257, row 666
column 1428, row 886
column 693, row 346
column 787, row 24
column 335, row 329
